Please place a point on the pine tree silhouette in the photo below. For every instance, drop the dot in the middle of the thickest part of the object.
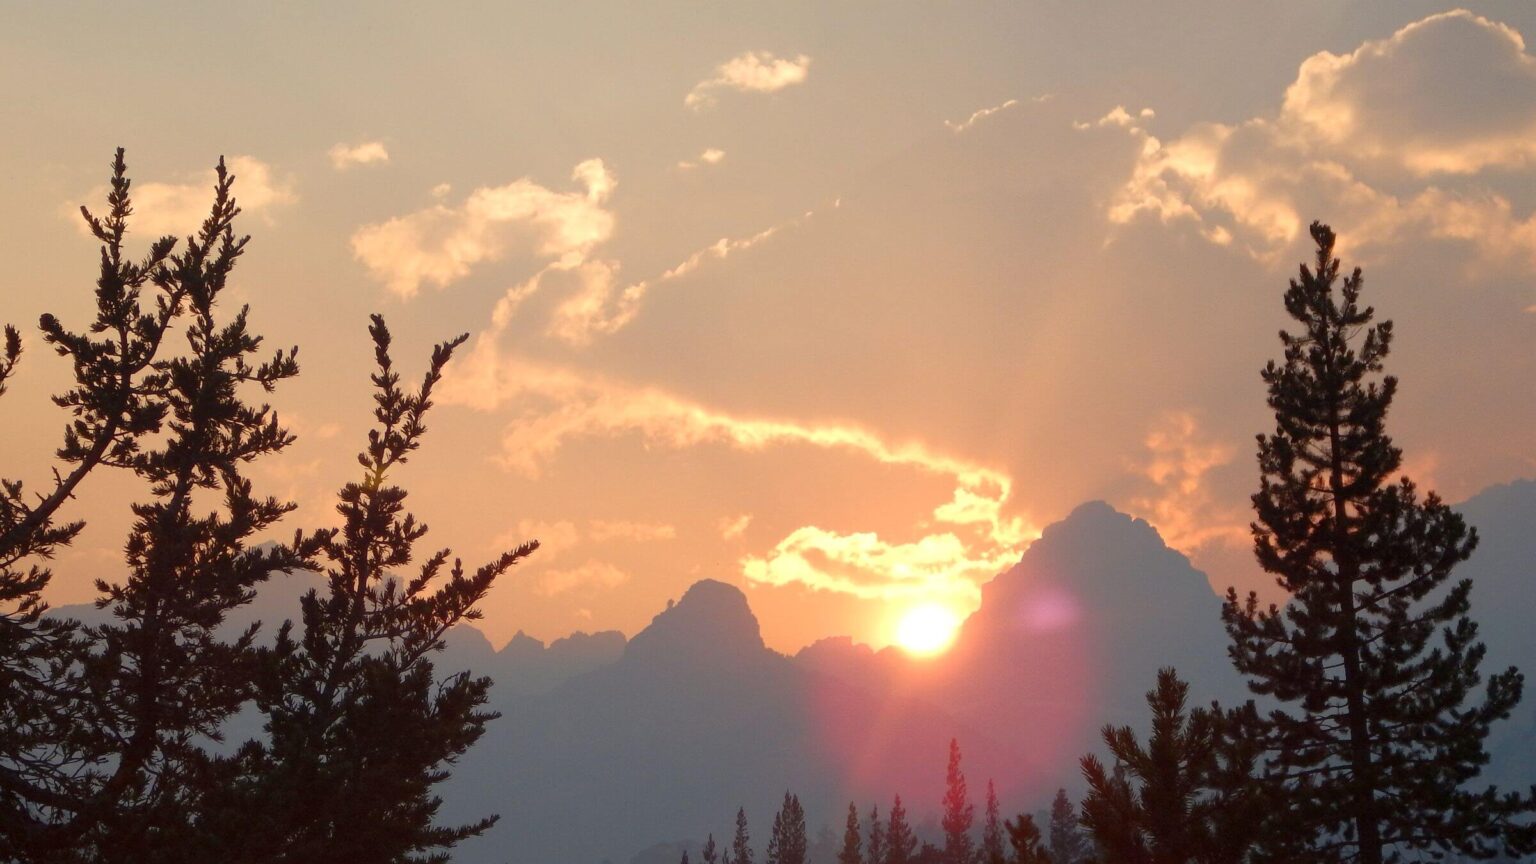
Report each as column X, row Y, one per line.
column 1375, row 656
column 1027, row 845
column 99, row 725
column 851, row 853
column 360, row 728
column 900, row 842
column 1186, row 796
column 787, row 842
column 1068, row 845
column 992, row 849
column 741, row 845
column 709, row 854
column 877, row 836
column 958, row 812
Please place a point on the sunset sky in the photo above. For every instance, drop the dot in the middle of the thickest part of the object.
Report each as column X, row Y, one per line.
column 838, row 300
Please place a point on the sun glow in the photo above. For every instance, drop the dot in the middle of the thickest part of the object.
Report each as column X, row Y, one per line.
column 927, row 630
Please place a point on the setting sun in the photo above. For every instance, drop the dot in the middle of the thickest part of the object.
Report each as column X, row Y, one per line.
column 927, row 630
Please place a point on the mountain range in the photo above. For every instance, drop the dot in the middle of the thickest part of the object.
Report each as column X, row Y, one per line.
column 616, row 750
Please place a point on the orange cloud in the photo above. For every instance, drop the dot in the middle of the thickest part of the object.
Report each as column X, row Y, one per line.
column 440, row 245
column 178, row 209
column 751, row 72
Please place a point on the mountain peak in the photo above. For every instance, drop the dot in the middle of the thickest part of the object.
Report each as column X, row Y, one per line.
column 712, row 616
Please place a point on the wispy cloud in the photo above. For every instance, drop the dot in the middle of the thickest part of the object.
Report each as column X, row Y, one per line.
column 958, row 126
column 751, row 72
column 347, row 156
column 972, row 541
column 586, row 578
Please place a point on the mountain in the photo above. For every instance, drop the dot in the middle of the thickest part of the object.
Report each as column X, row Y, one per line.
column 697, row 718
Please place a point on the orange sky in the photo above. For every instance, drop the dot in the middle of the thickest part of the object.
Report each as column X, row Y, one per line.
column 840, row 302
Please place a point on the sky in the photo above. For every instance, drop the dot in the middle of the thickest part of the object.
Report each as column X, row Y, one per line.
column 840, row 301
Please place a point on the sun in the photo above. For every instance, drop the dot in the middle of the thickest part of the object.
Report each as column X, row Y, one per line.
column 927, row 630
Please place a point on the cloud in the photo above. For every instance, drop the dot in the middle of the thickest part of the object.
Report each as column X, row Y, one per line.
column 440, row 244
column 555, row 538
column 179, row 208
column 732, row 527
column 978, row 116
column 561, row 405
column 1257, row 184
column 751, row 72
column 710, row 156
column 1187, row 512
column 1454, row 93
column 594, row 304
column 589, row 577
column 346, row 156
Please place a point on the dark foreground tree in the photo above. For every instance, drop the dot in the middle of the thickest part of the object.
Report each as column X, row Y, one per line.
column 958, row 812
column 1186, row 797
column 1374, row 657
column 106, row 730
column 101, row 727
column 359, row 727
column 1027, row 844
column 708, row 854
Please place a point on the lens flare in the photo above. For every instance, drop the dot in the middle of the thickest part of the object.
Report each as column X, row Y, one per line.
column 927, row 630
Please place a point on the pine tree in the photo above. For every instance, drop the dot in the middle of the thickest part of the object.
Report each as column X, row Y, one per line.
column 685, row 857
column 1068, row 846
column 900, row 842
column 958, row 812
column 876, row 838
column 708, row 854
column 1027, row 845
column 1184, row 798
column 851, row 852
column 992, row 851
column 741, row 846
column 360, row 728
column 99, row 725
column 787, row 842
column 1375, row 655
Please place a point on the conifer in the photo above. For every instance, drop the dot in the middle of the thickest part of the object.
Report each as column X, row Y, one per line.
column 876, row 838
column 1374, row 658
column 851, row 852
column 741, row 845
column 1027, row 844
column 1068, row 845
column 900, row 842
column 958, row 812
column 992, row 850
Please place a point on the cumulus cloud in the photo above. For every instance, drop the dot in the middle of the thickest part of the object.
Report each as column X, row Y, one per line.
column 1258, row 183
column 971, row 542
column 441, row 244
column 179, row 208
column 751, row 72
column 589, row 577
column 347, row 156
column 1454, row 93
